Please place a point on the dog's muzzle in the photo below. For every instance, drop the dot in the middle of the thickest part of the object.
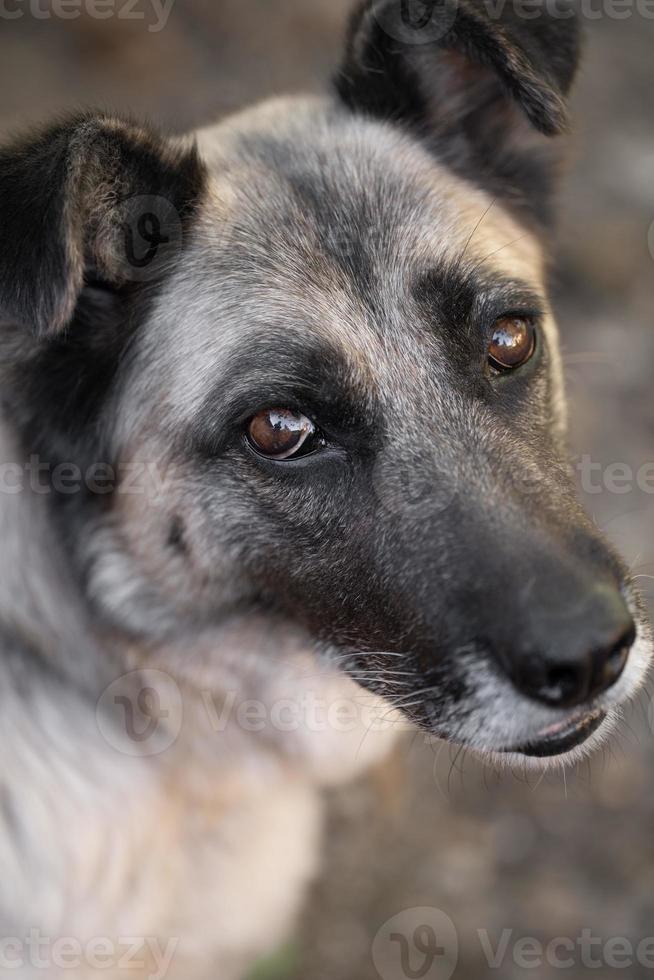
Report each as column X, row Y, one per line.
column 568, row 661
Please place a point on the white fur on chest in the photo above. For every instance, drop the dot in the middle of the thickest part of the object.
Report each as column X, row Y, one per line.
column 205, row 850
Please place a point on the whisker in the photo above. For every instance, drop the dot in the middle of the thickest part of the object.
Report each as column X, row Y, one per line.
column 457, row 264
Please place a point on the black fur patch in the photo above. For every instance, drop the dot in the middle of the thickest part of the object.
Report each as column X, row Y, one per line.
column 64, row 198
column 63, row 195
column 176, row 536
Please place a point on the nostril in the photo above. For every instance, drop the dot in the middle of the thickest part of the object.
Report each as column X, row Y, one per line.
column 565, row 684
column 628, row 639
column 613, row 662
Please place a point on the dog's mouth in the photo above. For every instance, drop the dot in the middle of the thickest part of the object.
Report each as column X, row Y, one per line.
column 562, row 737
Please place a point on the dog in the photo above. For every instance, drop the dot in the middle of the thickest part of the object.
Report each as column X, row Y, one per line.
column 284, row 470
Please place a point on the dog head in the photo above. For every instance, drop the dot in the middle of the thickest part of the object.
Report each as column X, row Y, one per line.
column 322, row 339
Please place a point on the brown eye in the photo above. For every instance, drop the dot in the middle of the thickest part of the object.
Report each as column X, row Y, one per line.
column 280, row 433
column 513, row 343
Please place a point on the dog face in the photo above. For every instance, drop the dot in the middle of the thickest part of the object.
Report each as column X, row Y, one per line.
column 342, row 371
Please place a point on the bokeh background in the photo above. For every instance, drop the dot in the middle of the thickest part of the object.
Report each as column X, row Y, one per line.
column 544, row 857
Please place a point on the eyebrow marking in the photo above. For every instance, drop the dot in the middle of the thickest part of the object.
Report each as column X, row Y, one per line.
column 304, row 374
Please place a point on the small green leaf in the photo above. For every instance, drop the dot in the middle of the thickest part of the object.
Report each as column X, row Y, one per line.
column 278, row 966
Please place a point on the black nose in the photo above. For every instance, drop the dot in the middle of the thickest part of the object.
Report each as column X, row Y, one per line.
column 583, row 655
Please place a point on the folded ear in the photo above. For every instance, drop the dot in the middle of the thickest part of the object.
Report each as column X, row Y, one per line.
column 484, row 81
column 94, row 200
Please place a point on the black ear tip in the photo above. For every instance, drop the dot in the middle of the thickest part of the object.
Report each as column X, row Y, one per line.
column 544, row 106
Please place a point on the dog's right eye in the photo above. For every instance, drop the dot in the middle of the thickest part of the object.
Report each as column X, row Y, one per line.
column 513, row 342
column 279, row 433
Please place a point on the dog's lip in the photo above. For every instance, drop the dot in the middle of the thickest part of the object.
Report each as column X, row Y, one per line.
column 559, row 738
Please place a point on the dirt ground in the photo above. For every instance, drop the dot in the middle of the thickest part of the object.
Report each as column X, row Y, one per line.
column 543, row 858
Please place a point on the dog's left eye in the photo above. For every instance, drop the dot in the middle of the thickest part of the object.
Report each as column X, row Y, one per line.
column 513, row 343
column 280, row 433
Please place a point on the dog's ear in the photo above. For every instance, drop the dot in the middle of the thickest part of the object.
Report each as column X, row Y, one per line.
column 483, row 81
column 95, row 200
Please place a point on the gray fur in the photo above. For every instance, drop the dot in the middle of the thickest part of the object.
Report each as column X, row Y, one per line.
column 315, row 228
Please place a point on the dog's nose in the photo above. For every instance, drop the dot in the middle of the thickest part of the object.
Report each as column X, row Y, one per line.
column 583, row 656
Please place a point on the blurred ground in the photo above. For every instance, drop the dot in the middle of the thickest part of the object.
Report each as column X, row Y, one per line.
column 547, row 860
